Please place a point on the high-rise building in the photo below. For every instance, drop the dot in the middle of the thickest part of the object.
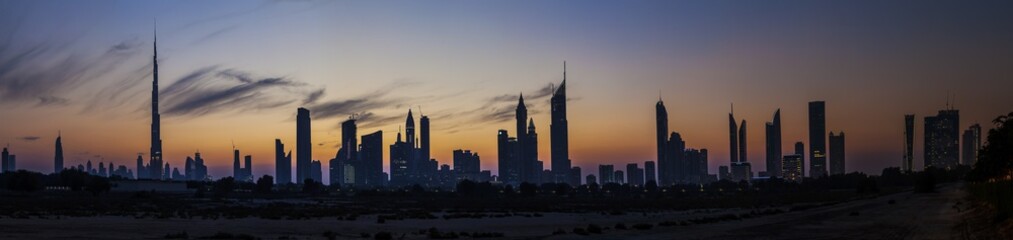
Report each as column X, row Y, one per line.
column 522, row 166
column 972, row 143
column 741, row 169
column 466, row 165
column 532, row 169
column 187, row 168
column 606, row 174
column 661, row 131
column 399, row 153
column 424, row 152
column 792, row 167
column 371, row 156
column 909, row 141
column 559, row 138
column 349, row 140
column 942, row 148
column 58, row 159
column 142, row 171
column 303, row 146
column 634, row 174
column 817, row 139
column 200, row 169
column 675, row 155
column 618, row 177
column 237, row 167
column 316, row 171
column 155, row 163
column 509, row 162
column 774, row 145
column 837, row 160
column 575, row 173
column 4, row 160
column 282, row 164
column 649, row 172
column 590, row 179
column 248, row 169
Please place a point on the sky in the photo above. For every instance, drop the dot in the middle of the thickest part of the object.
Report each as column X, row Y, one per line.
column 232, row 73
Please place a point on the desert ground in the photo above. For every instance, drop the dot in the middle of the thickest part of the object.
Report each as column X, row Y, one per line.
column 909, row 216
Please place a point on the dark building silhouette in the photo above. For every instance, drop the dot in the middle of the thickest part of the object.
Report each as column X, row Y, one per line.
column 741, row 169
column 532, row 168
column 837, row 160
column 972, row 143
column 4, row 160
column 695, row 165
column 399, row 153
column 792, row 167
column 574, row 176
column 466, row 165
column 345, row 164
column 649, row 172
column 316, row 171
column 774, row 145
column 941, row 139
column 521, row 166
column 559, row 136
column 676, row 155
column 665, row 166
column 248, row 169
column 509, row 161
column 909, row 141
column 237, row 166
column 817, row 139
column 634, row 174
column 282, row 164
column 606, row 174
column 590, row 179
column 200, row 170
column 58, row 159
column 371, row 156
column 188, row 168
column 424, row 151
column 303, row 146
column 155, row 163
column 142, row 171
column 800, row 151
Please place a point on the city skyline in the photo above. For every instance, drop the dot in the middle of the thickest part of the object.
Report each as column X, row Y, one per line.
column 91, row 132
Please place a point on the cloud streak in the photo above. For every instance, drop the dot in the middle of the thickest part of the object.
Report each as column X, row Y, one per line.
column 216, row 90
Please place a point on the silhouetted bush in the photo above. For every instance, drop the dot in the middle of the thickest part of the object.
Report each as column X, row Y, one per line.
column 264, row 184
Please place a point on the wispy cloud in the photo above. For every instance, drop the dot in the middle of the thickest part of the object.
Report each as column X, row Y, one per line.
column 215, row 90
column 29, row 138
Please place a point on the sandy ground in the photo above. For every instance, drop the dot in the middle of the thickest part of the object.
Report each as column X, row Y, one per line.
column 914, row 216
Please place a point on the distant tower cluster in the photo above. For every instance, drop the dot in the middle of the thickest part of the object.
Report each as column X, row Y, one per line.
column 676, row 163
column 518, row 156
column 406, row 157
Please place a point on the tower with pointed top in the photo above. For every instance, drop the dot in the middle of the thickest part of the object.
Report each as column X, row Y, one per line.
column 523, row 172
column 58, row 159
column 559, row 133
column 773, row 145
column 531, row 166
column 155, row 161
column 661, row 120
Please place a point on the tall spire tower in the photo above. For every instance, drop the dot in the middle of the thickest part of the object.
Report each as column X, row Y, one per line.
column 156, row 137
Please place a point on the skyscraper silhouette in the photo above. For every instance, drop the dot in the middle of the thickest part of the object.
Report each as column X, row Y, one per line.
column 942, row 148
column 521, row 117
column 676, row 159
column 909, row 141
column 349, row 141
column 282, row 164
column 303, row 146
column 155, row 163
column 237, row 167
column 559, row 138
column 649, row 172
column 741, row 169
column 836, row 153
column 371, row 156
column 5, row 158
column 972, row 143
column 774, row 156
column 817, row 139
column 399, row 152
column 58, row 159
column 509, row 161
column 530, row 164
column 424, row 152
column 661, row 132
